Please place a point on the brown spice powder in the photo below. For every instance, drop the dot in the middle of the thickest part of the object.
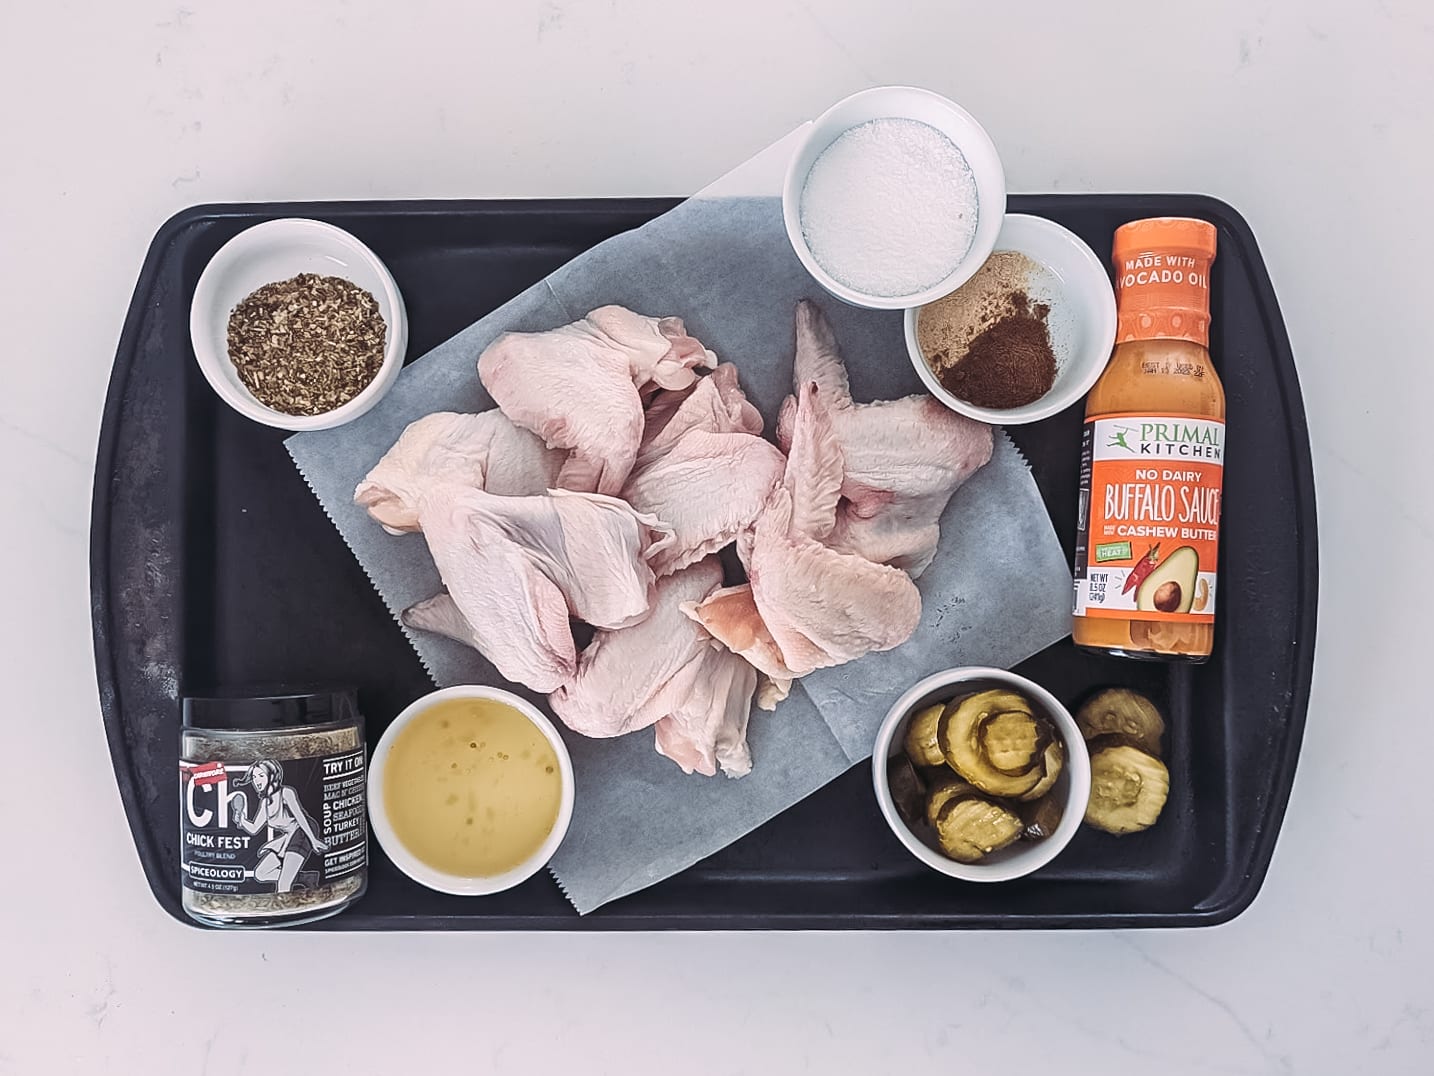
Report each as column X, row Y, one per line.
column 946, row 327
column 307, row 345
column 1008, row 365
column 987, row 342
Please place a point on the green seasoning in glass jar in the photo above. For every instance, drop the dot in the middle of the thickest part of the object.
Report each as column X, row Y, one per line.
column 273, row 825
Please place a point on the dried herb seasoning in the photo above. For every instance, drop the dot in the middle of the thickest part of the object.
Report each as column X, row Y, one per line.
column 307, row 345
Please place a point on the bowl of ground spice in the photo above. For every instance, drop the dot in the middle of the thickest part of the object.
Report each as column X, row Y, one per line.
column 298, row 325
column 1026, row 336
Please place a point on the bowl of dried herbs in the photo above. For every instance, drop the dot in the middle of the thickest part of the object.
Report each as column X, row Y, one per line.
column 297, row 324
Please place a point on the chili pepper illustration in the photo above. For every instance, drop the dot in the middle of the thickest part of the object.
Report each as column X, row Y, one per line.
column 1143, row 567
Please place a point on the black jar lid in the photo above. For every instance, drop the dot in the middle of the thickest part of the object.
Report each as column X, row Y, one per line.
column 261, row 709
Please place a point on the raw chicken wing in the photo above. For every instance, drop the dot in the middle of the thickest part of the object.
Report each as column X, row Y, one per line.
column 666, row 671
column 440, row 614
column 708, row 726
column 807, row 606
column 707, row 487
column 517, row 567
column 716, row 403
column 903, row 459
column 816, row 465
column 484, row 451
column 731, row 615
column 578, row 387
column 810, row 607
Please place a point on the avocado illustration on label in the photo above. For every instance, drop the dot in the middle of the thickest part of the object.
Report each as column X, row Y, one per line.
column 1170, row 588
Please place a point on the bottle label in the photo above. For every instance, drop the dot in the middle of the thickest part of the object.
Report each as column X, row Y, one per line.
column 1148, row 525
column 271, row 826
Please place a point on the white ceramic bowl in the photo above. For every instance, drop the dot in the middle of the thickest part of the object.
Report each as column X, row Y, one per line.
column 1081, row 321
column 1073, row 785
column 901, row 102
column 414, row 867
column 278, row 250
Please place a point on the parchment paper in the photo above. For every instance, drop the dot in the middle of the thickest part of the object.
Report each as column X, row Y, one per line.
column 998, row 591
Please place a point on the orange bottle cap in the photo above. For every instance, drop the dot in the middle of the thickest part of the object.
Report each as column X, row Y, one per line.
column 1162, row 279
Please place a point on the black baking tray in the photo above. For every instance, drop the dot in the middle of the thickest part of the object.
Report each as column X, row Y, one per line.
column 213, row 565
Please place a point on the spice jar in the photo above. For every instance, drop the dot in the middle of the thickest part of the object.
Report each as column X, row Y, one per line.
column 273, row 823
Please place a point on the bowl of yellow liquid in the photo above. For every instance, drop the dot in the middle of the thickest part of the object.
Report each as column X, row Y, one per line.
column 470, row 790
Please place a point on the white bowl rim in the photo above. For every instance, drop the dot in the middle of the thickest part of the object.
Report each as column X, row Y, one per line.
column 1077, row 768
column 410, row 864
column 1052, row 403
column 974, row 258
column 272, row 233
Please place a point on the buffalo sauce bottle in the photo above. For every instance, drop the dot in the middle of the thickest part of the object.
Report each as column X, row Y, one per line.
column 1153, row 456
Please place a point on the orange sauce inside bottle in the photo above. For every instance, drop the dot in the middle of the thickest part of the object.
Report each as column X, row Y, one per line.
column 1159, row 394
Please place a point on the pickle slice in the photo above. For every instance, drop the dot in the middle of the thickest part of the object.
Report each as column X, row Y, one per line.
column 1053, row 761
column 1128, row 713
column 908, row 790
column 966, row 739
column 942, row 792
column 970, row 828
column 922, row 746
column 1041, row 818
column 1012, row 741
column 1128, row 786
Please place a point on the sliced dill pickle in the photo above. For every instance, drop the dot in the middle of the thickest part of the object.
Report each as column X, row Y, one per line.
column 908, row 790
column 1127, row 713
column 969, row 828
column 1053, row 761
column 964, row 735
column 921, row 742
column 1128, row 786
column 1041, row 817
column 942, row 792
column 1012, row 741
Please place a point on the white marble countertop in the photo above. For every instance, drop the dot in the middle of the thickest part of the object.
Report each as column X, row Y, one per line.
column 1311, row 118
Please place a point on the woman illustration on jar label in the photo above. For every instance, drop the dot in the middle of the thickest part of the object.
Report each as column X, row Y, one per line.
column 283, row 856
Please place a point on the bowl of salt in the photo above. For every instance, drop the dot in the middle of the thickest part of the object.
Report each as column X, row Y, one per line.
column 894, row 197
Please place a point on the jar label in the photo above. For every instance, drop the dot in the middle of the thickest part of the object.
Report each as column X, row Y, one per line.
column 1148, row 525
column 272, row 826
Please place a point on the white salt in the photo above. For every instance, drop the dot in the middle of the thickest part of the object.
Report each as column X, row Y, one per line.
column 890, row 207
